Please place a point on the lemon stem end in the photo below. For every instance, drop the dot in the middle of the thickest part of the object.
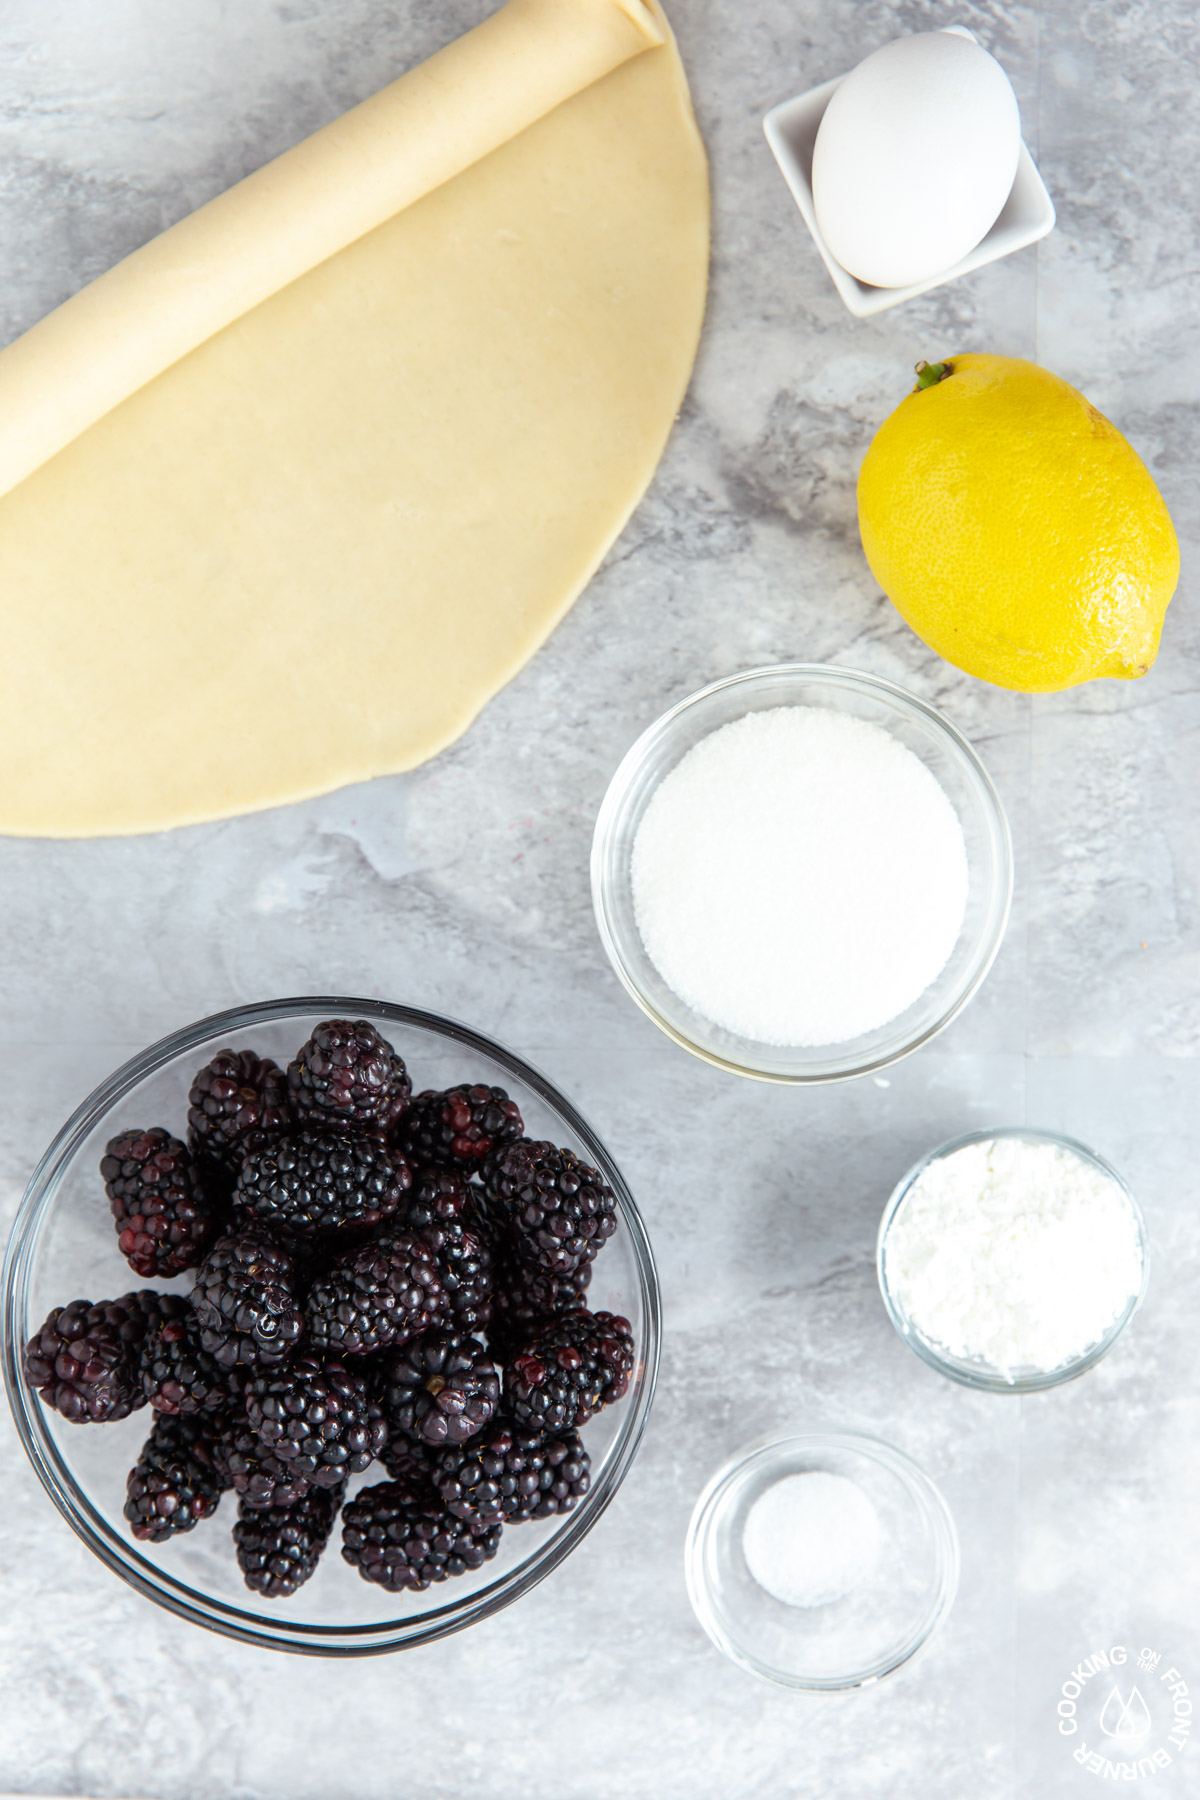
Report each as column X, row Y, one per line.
column 929, row 374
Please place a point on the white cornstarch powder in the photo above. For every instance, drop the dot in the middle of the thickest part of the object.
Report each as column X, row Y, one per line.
column 799, row 877
column 811, row 1538
column 1016, row 1252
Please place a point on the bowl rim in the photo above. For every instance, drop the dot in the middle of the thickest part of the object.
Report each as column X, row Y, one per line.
column 985, row 1378
column 169, row 1591
column 776, row 1447
column 834, row 675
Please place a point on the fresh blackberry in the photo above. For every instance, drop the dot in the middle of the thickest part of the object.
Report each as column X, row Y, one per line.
column 410, row 1461
column 576, row 1364
column 178, row 1374
column 84, row 1360
column 174, row 1483
column 238, row 1102
column 464, row 1261
column 459, row 1126
column 509, row 1474
column 245, row 1301
column 163, row 1217
column 318, row 1420
column 562, row 1210
column 258, row 1477
column 526, row 1297
column 439, row 1196
column 278, row 1547
column 444, row 1213
column 346, row 1073
column 384, row 1292
column 402, row 1539
column 321, row 1181
column 442, row 1387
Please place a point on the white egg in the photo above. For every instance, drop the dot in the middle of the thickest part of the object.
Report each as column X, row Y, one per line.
column 915, row 157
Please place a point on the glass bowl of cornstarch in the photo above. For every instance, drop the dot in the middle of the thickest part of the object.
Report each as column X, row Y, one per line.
column 1012, row 1260
column 801, row 873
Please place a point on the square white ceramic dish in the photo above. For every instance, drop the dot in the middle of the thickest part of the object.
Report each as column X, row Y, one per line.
column 791, row 129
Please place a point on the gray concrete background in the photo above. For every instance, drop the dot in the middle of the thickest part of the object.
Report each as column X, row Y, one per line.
column 463, row 887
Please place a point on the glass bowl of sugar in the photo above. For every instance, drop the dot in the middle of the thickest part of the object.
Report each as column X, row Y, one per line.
column 1012, row 1260
column 801, row 873
column 823, row 1561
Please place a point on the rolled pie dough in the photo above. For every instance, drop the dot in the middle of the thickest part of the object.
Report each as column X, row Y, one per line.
column 291, row 492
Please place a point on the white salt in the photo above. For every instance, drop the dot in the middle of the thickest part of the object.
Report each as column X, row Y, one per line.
column 800, row 876
column 811, row 1538
column 1016, row 1253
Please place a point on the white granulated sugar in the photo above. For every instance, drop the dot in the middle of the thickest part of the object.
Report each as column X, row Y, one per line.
column 800, row 876
column 1015, row 1252
column 811, row 1538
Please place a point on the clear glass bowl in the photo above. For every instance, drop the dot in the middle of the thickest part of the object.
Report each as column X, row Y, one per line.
column 870, row 1632
column 974, row 1372
column 63, row 1245
column 922, row 730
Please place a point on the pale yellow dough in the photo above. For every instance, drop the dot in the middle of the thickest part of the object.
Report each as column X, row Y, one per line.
column 309, row 550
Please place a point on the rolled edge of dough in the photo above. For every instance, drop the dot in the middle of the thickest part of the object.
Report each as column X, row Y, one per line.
column 180, row 289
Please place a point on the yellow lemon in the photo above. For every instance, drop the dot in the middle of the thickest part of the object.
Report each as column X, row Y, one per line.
column 1015, row 529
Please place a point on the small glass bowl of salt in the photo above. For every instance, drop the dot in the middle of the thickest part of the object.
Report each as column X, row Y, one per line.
column 822, row 1561
column 801, row 873
column 1012, row 1260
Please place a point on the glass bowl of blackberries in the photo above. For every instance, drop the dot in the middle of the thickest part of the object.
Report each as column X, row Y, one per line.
column 366, row 1312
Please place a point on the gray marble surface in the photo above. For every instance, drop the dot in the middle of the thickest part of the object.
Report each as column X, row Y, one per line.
column 463, row 887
